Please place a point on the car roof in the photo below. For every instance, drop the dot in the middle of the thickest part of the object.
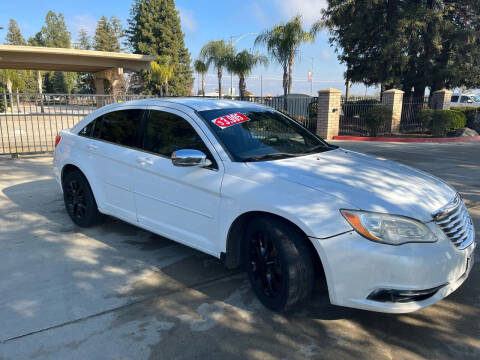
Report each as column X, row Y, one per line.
column 195, row 103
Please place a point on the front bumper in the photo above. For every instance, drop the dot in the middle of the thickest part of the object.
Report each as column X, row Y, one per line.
column 356, row 267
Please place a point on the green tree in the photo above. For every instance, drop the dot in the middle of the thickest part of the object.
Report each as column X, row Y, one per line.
column 154, row 29
column 14, row 35
column 282, row 42
column 84, row 41
column 242, row 64
column 54, row 33
column 218, row 53
column 201, row 68
column 405, row 44
column 162, row 71
column 108, row 34
column 85, row 82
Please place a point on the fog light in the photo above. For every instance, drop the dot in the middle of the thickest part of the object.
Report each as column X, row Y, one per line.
column 402, row 296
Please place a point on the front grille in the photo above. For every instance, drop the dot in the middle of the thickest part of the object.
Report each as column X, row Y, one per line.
column 455, row 222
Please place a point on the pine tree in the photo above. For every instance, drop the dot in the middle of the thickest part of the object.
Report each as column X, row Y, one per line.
column 14, row 36
column 154, row 29
column 54, row 33
column 108, row 34
column 84, row 42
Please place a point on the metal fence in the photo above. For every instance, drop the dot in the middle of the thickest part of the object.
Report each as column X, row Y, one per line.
column 30, row 122
column 411, row 121
column 301, row 108
column 353, row 114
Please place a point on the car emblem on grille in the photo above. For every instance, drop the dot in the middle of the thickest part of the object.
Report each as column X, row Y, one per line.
column 447, row 208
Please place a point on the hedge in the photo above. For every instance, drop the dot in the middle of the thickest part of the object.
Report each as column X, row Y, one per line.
column 439, row 122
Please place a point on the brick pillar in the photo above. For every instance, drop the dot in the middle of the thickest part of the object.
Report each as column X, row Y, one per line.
column 394, row 100
column 441, row 99
column 328, row 114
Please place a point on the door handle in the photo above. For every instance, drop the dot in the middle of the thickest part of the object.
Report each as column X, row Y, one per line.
column 144, row 161
column 92, row 147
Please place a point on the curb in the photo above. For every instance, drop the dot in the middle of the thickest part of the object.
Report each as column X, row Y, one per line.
column 410, row 140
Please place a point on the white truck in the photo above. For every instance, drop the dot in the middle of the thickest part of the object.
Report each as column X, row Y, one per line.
column 465, row 100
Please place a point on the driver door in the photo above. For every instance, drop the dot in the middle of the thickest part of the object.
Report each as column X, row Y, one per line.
column 180, row 203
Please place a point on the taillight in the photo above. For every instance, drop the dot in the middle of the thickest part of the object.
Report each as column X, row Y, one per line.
column 57, row 140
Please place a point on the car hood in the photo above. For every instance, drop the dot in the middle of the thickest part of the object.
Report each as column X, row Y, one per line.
column 367, row 182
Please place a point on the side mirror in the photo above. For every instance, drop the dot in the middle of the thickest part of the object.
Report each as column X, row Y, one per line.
column 470, row 101
column 189, row 157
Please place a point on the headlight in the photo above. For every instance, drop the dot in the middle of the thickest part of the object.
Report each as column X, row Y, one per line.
column 388, row 229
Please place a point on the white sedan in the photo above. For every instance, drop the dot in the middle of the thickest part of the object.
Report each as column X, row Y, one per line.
column 248, row 185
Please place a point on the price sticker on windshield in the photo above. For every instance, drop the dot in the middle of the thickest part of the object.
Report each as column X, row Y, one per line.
column 229, row 120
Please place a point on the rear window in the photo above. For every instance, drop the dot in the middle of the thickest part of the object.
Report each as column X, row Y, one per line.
column 120, row 127
column 454, row 98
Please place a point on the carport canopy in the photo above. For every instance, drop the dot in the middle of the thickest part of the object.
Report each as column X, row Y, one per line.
column 105, row 65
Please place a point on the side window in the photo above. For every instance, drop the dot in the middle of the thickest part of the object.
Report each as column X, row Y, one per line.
column 454, row 98
column 87, row 130
column 120, row 127
column 464, row 99
column 166, row 132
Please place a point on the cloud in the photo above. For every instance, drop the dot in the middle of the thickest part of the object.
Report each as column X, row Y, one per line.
column 311, row 10
column 189, row 24
column 82, row 21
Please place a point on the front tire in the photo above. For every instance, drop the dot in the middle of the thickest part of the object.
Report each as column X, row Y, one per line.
column 79, row 200
column 278, row 263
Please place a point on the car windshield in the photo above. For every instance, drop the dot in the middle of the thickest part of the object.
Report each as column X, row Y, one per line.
column 255, row 134
column 476, row 98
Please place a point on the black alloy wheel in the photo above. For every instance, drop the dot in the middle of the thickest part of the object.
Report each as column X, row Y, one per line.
column 278, row 262
column 79, row 200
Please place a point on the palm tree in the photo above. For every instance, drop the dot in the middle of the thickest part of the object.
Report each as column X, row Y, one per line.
column 201, row 68
column 219, row 53
column 242, row 63
column 282, row 42
column 162, row 72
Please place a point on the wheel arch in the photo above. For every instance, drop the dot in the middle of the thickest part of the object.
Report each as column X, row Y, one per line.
column 233, row 256
column 71, row 166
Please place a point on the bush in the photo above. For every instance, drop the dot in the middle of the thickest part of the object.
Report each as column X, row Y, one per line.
column 439, row 122
column 470, row 112
column 376, row 118
column 2, row 104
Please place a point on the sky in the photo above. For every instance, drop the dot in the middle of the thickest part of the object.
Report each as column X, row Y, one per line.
column 205, row 20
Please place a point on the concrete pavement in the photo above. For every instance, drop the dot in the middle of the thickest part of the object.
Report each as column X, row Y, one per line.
column 118, row 292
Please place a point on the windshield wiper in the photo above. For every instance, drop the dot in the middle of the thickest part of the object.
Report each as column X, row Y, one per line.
column 318, row 148
column 274, row 156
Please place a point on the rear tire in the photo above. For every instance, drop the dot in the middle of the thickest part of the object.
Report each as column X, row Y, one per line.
column 278, row 263
column 79, row 200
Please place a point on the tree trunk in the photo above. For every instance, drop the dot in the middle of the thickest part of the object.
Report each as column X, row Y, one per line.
column 166, row 88
column 347, row 89
column 203, row 84
column 285, row 86
column 40, row 90
column 219, row 72
column 242, row 86
column 10, row 93
column 291, row 60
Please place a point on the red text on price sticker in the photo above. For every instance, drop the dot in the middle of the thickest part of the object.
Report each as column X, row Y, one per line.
column 229, row 120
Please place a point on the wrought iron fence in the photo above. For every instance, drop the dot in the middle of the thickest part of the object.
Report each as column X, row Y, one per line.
column 353, row 114
column 411, row 121
column 30, row 122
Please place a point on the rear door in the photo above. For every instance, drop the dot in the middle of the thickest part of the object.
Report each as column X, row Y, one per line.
column 114, row 157
column 181, row 203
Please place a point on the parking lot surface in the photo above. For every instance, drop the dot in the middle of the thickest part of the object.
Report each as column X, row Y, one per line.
column 118, row 292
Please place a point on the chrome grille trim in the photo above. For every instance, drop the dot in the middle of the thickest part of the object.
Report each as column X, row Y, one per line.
column 456, row 223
